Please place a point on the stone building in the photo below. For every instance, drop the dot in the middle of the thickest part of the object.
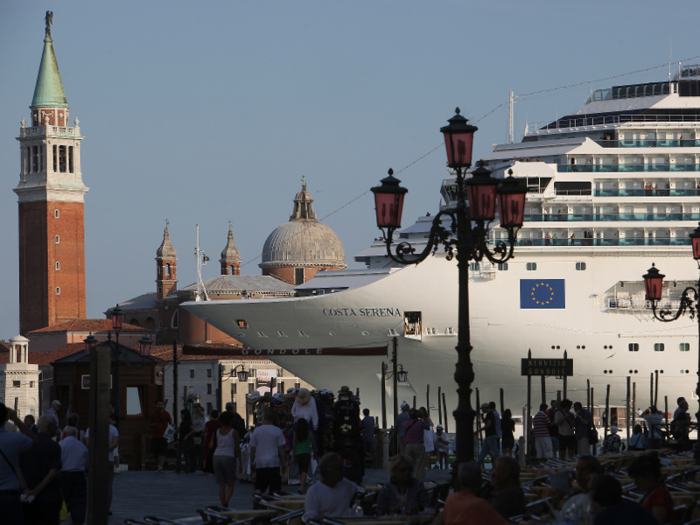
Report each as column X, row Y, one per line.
column 302, row 246
column 50, row 194
column 19, row 379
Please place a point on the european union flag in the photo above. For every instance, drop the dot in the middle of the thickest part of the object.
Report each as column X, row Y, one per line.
column 542, row 293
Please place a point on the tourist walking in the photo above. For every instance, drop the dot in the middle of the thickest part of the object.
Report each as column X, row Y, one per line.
column 38, row 473
column 159, row 421
column 11, row 445
column 74, row 457
column 497, row 418
column 368, row 436
column 54, row 410
column 185, row 443
column 508, row 428
column 428, row 437
column 199, row 420
column 490, row 445
column 113, row 440
column 584, row 428
column 238, row 423
column 398, row 424
column 404, row 493
column 442, row 445
column 566, row 423
column 553, row 427
column 305, row 407
column 655, row 420
column 332, row 496
column 543, row 444
column 414, row 430
column 227, row 452
column 303, row 450
column 209, row 430
column 268, row 455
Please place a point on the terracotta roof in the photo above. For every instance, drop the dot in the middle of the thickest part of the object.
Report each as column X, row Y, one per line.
column 45, row 358
column 165, row 352
column 87, row 325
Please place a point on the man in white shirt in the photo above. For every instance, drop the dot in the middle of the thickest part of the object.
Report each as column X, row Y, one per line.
column 113, row 444
column 268, row 455
column 332, row 496
column 53, row 412
column 74, row 456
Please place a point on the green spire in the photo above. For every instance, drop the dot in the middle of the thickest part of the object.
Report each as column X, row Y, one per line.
column 49, row 87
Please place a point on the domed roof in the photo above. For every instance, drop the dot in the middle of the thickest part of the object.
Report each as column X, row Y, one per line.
column 166, row 250
column 303, row 241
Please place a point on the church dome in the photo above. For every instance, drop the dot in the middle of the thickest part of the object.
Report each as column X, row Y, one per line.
column 303, row 241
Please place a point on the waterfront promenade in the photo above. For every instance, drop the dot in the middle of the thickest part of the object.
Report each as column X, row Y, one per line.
column 176, row 496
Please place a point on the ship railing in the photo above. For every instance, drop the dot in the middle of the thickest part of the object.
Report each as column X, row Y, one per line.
column 644, row 143
column 655, row 241
column 641, row 192
column 608, row 217
column 625, row 168
column 611, row 120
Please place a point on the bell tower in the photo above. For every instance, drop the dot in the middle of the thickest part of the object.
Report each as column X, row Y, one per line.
column 230, row 257
column 166, row 262
column 50, row 196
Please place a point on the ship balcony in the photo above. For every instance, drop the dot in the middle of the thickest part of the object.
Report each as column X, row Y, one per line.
column 643, row 143
column 693, row 192
column 612, row 217
column 654, row 241
column 625, row 168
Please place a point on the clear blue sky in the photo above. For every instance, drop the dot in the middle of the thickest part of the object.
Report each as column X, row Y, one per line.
column 205, row 112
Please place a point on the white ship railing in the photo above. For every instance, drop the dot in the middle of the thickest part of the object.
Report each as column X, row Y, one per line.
column 630, row 120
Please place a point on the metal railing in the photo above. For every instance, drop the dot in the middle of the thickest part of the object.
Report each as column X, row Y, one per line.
column 640, row 192
column 604, row 120
column 644, row 143
column 655, row 241
column 606, row 168
column 585, row 217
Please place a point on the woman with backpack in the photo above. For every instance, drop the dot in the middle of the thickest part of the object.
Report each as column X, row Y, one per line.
column 637, row 440
column 227, row 450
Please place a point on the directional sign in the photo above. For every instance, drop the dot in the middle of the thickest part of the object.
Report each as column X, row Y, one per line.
column 547, row 367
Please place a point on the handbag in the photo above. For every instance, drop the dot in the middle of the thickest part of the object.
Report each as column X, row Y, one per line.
column 169, row 433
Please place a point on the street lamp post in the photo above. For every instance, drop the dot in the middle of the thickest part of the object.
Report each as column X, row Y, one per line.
column 117, row 324
column 467, row 236
column 242, row 375
column 690, row 303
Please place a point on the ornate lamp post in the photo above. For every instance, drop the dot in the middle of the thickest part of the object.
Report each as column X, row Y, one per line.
column 468, row 235
column 690, row 303
column 242, row 375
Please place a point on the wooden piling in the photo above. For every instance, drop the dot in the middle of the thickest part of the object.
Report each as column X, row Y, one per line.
column 479, row 426
column 427, row 400
column 565, row 380
column 656, row 390
column 440, row 405
column 627, row 411
column 588, row 395
column 634, row 403
column 651, row 389
column 444, row 411
column 526, row 423
column 503, row 405
column 606, row 417
column 383, row 396
column 544, row 391
column 414, row 401
column 666, row 412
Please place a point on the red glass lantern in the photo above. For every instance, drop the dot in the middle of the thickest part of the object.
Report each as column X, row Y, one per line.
column 459, row 139
column 695, row 240
column 388, row 202
column 481, row 191
column 511, row 201
column 90, row 343
column 653, row 284
column 145, row 345
column 117, row 318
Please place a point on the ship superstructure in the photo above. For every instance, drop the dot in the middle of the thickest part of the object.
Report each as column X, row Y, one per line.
column 612, row 188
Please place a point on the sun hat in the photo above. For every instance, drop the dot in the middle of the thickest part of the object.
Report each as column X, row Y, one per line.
column 484, row 405
column 614, row 429
column 303, row 396
column 345, row 390
column 404, row 405
column 439, row 427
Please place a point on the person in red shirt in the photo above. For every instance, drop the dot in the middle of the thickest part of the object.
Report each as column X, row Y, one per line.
column 646, row 472
column 209, row 430
column 159, row 424
column 465, row 506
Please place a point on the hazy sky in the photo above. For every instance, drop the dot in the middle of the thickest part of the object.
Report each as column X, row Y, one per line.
column 205, row 112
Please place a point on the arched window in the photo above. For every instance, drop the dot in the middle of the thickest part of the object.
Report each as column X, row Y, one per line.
column 150, row 323
column 134, row 322
column 230, row 269
column 167, row 270
column 175, row 321
column 57, row 239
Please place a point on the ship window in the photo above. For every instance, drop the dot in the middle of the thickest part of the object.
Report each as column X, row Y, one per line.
column 56, row 214
column 474, row 267
column 684, row 347
column 242, row 324
column 58, row 265
column 580, row 266
column 298, row 276
column 57, row 239
column 261, row 334
column 531, row 267
column 412, row 323
column 302, row 334
column 280, row 333
column 658, row 347
column 503, row 267
column 450, row 330
column 633, row 347
column 58, row 291
column 392, row 333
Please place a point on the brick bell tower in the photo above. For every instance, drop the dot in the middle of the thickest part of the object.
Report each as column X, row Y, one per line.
column 50, row 196
column 230, row 257
column 166, row 262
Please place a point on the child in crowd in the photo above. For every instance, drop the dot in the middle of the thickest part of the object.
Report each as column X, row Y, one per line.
column 303, row 446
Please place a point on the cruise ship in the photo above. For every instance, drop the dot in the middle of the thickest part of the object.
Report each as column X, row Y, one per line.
column 612, row 188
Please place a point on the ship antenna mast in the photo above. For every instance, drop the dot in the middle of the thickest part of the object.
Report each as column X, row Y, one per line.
column 201, row 290
column 511, row 103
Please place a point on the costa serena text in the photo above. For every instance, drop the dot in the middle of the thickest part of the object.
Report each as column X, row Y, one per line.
column 362, row 312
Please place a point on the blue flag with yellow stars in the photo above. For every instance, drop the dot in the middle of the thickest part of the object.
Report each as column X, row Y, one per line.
column 542, row 293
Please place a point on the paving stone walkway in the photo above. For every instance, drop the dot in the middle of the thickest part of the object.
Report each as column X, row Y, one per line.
column 177, row 496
